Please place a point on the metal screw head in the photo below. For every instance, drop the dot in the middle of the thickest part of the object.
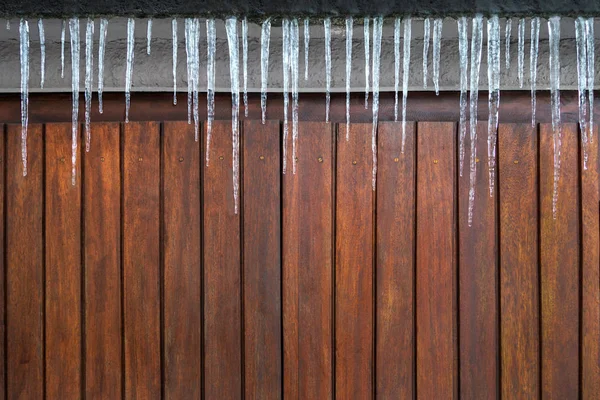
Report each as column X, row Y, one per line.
column 354, row 162
column 102, row 159
column 396, row 159
column 516, row 161
column 220, row 157
column 320, row 159
column 62, row 159
column 180, row 159
column 477, row 160
column 262, row 158
column 140, row 159
column 435, row 161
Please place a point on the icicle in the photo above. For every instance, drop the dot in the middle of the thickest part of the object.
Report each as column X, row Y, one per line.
column 476, row 41
column 245, row 62
column 196, row 76
column 62, row 49
column 437, row 39
column 189, row 50
column 174, row 36
column 306, row 45
column 24, row 58
column 294, row 56
column 285, row 29
column 581, row 44
column 129, row 70
column 507, row 35
column 74, row 33
column 554, row 36
column 367, row 61
column 493, row 61
column 89, row 63
column 463, row 51
column 426, row 40
column 521, row 50
column 265, row 38
column 397, row 25
column 148, row 35
column 349, row 31
column 232, row 39
column 533, row 57
column 405, row 74
column 377, row 29
column 327, row 27
column 211, row 41
column 8, row 25
column 101, row 48
column 42, row 52
column 591, row 73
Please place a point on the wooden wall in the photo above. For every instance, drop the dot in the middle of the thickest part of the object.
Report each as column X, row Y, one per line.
column 140, row 281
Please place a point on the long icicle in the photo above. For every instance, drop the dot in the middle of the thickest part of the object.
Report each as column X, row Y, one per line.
column 196, row 76
column 533, row 60
column 426, row 40
column 306, row 45
column 397, row 26
column 476, row 41
column 24, row 58
column 377, row 32
column 582, row 82
column 349, row 31
column 74, row 33
column 367, row 60
column 327, row 28
column 437, row 41
column 232, row 39
column 521, row 50
column 174, row 38
column 101, row 51
column 591, row 73
column 463, row 51
column 148, row 36
column 285, row 29
column 42, row 52
column 507, row 37
column 211, row 42
column 493, row 60
column 62, row 48
column 129, row 69
column 265, row 39
column 554, row 37
column 294, row 61
column 405, row 74
column 189, row 51
column 245, row 62
column 89, row 64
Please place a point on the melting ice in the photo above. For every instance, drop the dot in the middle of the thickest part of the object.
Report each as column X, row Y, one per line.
column 366, row 37
column 245, row 62
column 533, row 59
column 174, row 36
column 211, row 42
column 493, row 61
column 405, row 75
column 349, row 28
column 437, row 40
column 554, row 36
column 521, row 50
column 397, row 26
column 265, row 38
column 426, row 40
column 377, row 30
column 476, row 41
column 294, row 54
column 148, row 35
column 89, row 63
column 74, row 33
column 327, row 27
column 463, row 51
column 42, row 51
column 129, row 69
column 101, row 49
column 232, row 40
column 24, row 57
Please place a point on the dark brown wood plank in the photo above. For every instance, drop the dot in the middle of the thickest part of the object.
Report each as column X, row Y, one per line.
column 182, row 269
column 222, row 294
column 141, row 259
column 590, row 274
column 395, row 262
column 437, row 369
column 308, row 266
column 519, row 279
column 354, row 264
column 63, row 267
column 2, row 267
column 24, row 265
column 560, row 241
column 102, row 263
column 478, row 304
column 262, row 260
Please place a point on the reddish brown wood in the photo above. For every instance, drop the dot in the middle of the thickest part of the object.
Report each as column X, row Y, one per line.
column 222, row 294
column 437, row 369
column 24, row 265
column 560, row 274
column 63, row 266
column 519, row 278
column 590, row 274
column 395, row 262
column 102, row 264
column 354, row 265
column 478, row 278
column 307, row 266
column 2, row 268
column 262, row 260
column 182, row 262
column 141, row 260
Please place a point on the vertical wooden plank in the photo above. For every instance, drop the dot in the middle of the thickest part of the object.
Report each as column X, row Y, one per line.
column 395, row 262
column 262, row 260
column 141, row 259
column 560, row 266
column 102, row 263
column 63, row 267
column 2, row 266
column 354, row 264
column 478, row 304
column 436, row 261
column 519, row 279
column 222, row 291
column 24, row 265
column 308, row 266
column 590, row 275
column 182, row 255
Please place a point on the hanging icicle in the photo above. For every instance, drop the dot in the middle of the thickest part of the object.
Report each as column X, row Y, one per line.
column 405, row 74
column 189, row 51
column 493, row 61
column 129, row 69
column 8, row 25
column 232, row 40
column 101, row 50
column 294, row 61
column 463, row 51
column 397, row 26
column 89, row 64
column 148, row 36
column 327, row 27
column 306, row 45
column 42, row 52
column 377, row 33
column 533, row 59
column 265, row 39
column 521, row 50
column 507, row 36
column 581, row 45
column 62, row 48
column 196, row 75
column 476, row 42
column 75, row 55
column 24, row 58
column 426, row 40
column 211, row 42
column 174, row 38
column 437, row 41
column 245, row 62
column 367, row 59
column 349, row 32
column 554, row 36
column 591, row 73
column 285, row 29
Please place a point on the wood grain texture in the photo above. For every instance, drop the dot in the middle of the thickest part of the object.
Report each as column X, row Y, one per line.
column 262, row 260
column 478, row 294
column 590, row 274
column 519, row 266
column 308, row 266
column 395, row 240
column 437, row 369
column 354, row 265
column 102, row 264
column 560, row 274
column 63, row 266
column 141, row 260
column 24, row 265
column 2, row 266
column 182, row 262
column 222, row 280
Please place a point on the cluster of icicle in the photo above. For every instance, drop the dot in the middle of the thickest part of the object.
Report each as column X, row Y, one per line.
column 469, row 79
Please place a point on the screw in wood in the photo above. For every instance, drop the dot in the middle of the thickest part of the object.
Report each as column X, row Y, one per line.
column 435, row 161
column 102, row 159
column 262, row 158
column 140, row 159
column 62, row 159
column 396, row 159
column 180, row 159
column 477, row 160
column 516, row 161
column 220, row 157
column 354, row 162
column 320, row 159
